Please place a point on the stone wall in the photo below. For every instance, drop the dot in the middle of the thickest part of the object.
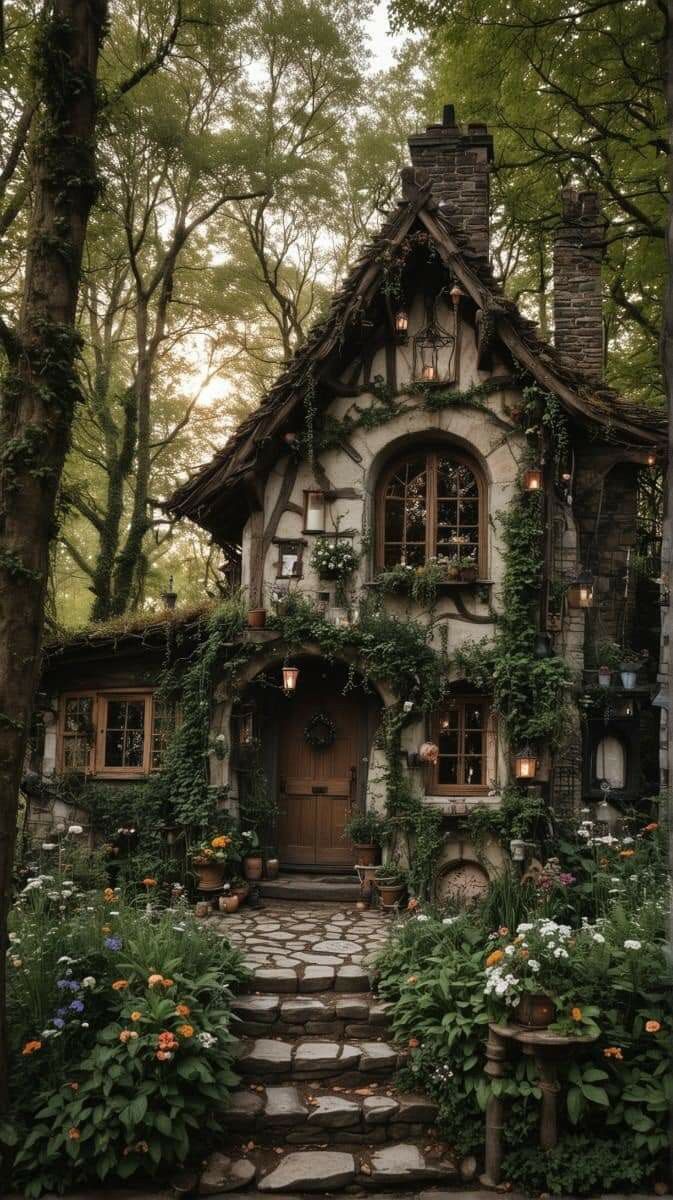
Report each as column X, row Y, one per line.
column 579, row 247
column 458, row 162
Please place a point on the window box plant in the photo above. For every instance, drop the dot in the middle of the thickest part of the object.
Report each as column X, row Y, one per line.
column 334, row 557
column 367, row 832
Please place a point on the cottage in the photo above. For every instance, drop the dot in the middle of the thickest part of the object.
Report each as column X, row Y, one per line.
column 426, row 470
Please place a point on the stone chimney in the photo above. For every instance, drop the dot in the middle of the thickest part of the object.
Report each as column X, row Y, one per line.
column 458, row 162
column 579, row 248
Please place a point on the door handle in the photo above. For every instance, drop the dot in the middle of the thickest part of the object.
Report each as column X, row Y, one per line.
column 319, row 790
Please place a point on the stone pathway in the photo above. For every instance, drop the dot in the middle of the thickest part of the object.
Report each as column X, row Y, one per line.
column 316, row 1111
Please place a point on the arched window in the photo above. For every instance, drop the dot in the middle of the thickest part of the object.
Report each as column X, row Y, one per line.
column 431, row 504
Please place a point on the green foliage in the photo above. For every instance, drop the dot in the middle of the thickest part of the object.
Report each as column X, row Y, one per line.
column 581, row 1165
column 366, row 828
column 519, row 814
column 81, row 1062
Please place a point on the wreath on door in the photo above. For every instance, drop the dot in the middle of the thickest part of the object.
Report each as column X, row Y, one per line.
column 320, row 733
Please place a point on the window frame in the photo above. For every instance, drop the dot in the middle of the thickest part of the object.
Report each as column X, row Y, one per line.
column 462, row 701
column 101, row 697
column 432, row 454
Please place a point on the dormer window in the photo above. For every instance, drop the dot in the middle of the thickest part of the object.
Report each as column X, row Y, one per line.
column 431, row 504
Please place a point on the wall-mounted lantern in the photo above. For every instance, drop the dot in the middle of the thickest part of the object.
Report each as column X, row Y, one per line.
column 525, row 763
column 517, row 848
column 604, row 677
column 314, row 512
column 532, row 479
column 652, row 458
column 401, row 321
column 581, row 592
column 290, row 678
column 429, row 342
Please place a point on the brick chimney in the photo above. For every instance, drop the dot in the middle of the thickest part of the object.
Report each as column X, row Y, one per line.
column 458, row 162
column 579, row 248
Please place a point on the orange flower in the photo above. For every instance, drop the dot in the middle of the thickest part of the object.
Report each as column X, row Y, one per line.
column 413, row 1043
column 503, row 931
column 31, row 1047
column 167, row 1040
column 412, row 979
column 182, row 1010
column 495, row 957
column 148, row 882
column 120, row 984
column 136, row 1016
column 613, row 1052
column 167, row 983
column 163, row 1055
column 652, row 1026
column 221, row 842
column 186, row 1031
column 576, row 1013
column 109, row 894
column 74, row 1134
column 106, row 929
column 127, row 1035
column 155, row 980
column 413, row 904
column 651, row 827
column 626, row 853
column 74, row 1087
column 524, row 952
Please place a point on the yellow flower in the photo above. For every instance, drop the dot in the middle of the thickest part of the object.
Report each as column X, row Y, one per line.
column 127, row 1035
column 186, row 1031
column 120, row 984
column 576, row 1013
column 182, row 1010
column 221, row 842
column 412, row 979
column 106, row 929
column 626, row 853
column 613, row 1052
column 155, row 980
column 652, row 1026
column 136, row 1016
column 74, row 1134
column 167, row 983
column 495, row 957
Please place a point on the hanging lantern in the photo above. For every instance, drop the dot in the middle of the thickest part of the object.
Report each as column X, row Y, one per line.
column 401, row 321
column 314, row 512
column 532, row 479
column 652, row 458
column 525, row 763
column 290, row 677
column 429, row 343
column 581, row 592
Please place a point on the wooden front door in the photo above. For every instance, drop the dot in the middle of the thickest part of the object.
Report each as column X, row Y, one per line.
column 317, row 786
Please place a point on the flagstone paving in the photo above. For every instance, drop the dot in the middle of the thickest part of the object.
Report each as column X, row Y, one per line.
column 284, row 934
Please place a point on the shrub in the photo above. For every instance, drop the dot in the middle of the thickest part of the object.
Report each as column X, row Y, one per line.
column 120, row 1044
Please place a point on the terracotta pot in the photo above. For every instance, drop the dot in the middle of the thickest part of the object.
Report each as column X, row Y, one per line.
column 535, row 1009
column 257, row 618
column 242, row 893
column 272, row 868
column 390, row 893
column 203, row 908
column 229, row 903
column 210, row 875
column 253, row 866
column 468, row 574
column 366, row 853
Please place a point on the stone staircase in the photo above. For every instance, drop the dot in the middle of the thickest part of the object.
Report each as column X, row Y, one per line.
column 316, row 1111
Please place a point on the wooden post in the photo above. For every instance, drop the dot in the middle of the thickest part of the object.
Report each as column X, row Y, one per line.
column 495, row 1069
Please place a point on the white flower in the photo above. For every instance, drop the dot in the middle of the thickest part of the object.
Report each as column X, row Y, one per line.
column 525, row 927
column 49, row 845
column 207, row 1040
column 598, row 938
column 75, row 829
column 67, row 894
column 88, row 981
column 449, row 920
column 65, row 958
column 68, row 883
column 422, row 917
column 408, row 705
column 113, row 914
column 627, row 841
column 632, row 944
column 509, row 950
column 85, row 1024
column 15, row 939
column 560, row 952
column 534, row 965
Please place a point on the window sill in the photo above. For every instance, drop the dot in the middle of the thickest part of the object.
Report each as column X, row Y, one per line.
column 461, row 803
column 447, row 585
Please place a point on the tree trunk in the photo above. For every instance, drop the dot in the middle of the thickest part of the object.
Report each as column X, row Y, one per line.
column 41, row 388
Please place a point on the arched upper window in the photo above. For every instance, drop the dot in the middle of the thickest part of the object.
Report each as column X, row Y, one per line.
column 431, row 504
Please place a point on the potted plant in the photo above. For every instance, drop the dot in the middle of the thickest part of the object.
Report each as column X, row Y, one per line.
column 334, row 557
column 366, row 831
column 629, row 666
column 467, row 569
column 229, row 902
column 210, row 860
column 271, row 863
column 390, row 884
column 256, row 618
column 238, row 887
column 253, row 863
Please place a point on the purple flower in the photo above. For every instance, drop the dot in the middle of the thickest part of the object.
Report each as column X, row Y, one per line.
column 61, row 1012
column 113, row 943
column 58, row 1022
column 77, row 1006
column 67, row 985
column 565, row 878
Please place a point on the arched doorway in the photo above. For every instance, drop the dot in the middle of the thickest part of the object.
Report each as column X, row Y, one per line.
column 315, row 747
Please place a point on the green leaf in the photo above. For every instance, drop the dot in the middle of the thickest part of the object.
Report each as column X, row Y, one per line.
column 596, row 1095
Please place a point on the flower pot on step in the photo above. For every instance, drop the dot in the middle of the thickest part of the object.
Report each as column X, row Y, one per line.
column 272, row 868
column 209, row 875
column 366, row 853
column 389, row 893
column 535, row 1009
column 253, row 866
column 228, row 904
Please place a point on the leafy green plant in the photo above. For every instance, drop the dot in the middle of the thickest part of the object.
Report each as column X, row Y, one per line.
column 366, row 828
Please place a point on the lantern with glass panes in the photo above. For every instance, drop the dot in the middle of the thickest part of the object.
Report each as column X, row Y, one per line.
column 434, row 349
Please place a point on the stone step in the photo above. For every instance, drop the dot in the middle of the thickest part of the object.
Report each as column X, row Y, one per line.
column 308, row 1115
column 313, row 888
column 299, row 1172
column 328, row 1014
column 309, row 977
column 314, row 1058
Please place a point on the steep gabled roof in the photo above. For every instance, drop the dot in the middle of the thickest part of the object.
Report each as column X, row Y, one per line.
column 219, row 485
